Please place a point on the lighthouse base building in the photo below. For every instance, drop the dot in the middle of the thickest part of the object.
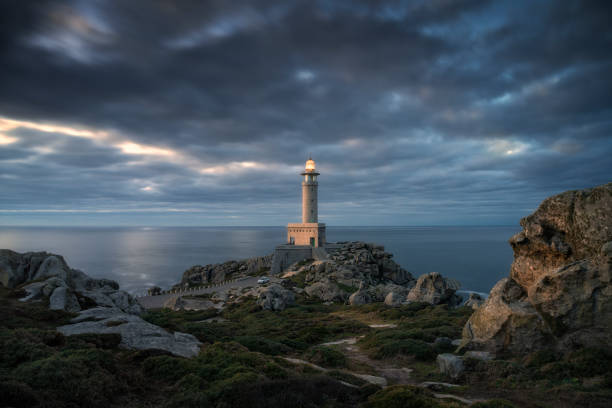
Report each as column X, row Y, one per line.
column 309, row 233
column 305, row 240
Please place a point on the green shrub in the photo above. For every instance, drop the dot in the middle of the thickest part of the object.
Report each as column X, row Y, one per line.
column 17, row 394
column 326, row 357
column 263, row 345
column 188, row 399
column 274, row 371
column 299, row 279
column 419, row 349
column 539, row 358
column 348, row 378
column 24, row 345
column 168, row 368
column 312, row 391
column 84, row 377
column 405, row 397
column 87, row 340
column 587, row 362
column 229, row 387
column 391, row 342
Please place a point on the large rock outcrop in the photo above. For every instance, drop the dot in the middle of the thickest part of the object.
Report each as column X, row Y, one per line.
column 135, row 332
column 350, row 266
column 216, row 273
column 66, row 288
column 359, row 273
column 102, row 307
column 433, row 288
column 559, row 292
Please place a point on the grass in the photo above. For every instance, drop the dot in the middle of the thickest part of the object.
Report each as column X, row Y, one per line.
column 299, row 279
column 293, row 330
column 242, row 361
column 39, row 367
column 326, row 357
column 417, row 328
column 407, row 397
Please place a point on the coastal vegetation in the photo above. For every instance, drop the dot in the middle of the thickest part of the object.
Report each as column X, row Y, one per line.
column 252, row 357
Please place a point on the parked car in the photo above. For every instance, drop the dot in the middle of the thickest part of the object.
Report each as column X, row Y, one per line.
column 263, row 280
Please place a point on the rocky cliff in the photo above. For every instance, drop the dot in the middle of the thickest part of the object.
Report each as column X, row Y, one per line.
column 360, row 272
column 44, row 275
column 214, row 273
column 101, row 306
column 352, row 272
column 559, row 292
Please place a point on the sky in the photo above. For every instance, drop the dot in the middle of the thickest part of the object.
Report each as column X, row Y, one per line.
column 195, row 113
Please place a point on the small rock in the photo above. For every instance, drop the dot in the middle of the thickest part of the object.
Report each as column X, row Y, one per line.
column 443, row 341
column 450, row 365
column 174, row 303
column 64, row 299
column 437, row 386
column 606, row 249
column 394, row 299
column 479, row 355
column 360, row 297
column 326, row 291
column 474, row 301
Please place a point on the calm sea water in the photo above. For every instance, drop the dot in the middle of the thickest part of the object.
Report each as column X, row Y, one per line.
column 140, row 257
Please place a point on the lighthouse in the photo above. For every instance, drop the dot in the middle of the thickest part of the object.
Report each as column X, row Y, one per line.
column 310, row 193
column 309, row 232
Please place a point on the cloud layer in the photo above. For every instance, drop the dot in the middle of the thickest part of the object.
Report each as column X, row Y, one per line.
column 202, row 113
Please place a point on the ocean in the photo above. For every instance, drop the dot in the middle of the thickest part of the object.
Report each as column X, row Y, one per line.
column 141, row 257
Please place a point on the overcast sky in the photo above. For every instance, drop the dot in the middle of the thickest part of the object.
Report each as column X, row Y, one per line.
column 203, row 113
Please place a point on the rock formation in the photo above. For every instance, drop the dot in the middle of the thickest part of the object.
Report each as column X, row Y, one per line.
column 67, row 289
column 474, row 301
column 450, row 365
column 102, row 307
column 275, row 297
column 433, row 288
column 216, row 273
column 559, row 293
column 360, row 273
column 355, row 270
column 135, row 332
column 361, row 297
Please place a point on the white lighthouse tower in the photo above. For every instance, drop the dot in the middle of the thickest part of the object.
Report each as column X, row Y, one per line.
column 310, row 188
column 309, row 232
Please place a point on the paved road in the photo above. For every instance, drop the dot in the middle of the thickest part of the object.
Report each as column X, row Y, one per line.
column 155, row 302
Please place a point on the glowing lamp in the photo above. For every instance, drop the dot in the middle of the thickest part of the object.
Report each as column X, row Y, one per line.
column 310, row 165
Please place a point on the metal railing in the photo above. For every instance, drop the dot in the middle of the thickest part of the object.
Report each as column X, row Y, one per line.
column 193, row 289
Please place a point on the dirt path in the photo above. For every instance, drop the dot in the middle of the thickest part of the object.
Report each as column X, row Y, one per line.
column 392, row 374
column 384, row 373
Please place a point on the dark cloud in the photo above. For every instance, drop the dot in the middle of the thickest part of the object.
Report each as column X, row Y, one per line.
column 417, row 111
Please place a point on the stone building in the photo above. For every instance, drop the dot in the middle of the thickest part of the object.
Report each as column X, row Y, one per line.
column 305, row 240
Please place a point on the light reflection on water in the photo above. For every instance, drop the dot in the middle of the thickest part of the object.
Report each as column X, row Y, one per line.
column 140, row 257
